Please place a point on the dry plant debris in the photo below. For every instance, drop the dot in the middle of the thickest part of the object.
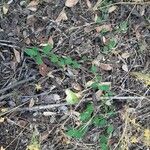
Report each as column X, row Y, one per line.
column 74, row 74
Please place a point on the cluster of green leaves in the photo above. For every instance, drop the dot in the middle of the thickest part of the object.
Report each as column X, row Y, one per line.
column 97, row 81
column 110, row 45
column 123, row 27
column 104, row 11
column 54, row 58
column 88, row 119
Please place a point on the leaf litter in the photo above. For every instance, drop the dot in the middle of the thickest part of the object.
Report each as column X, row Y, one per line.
column 111, row 43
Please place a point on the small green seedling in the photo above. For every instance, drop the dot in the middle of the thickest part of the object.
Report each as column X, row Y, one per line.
column 54, row 58
column 110, row 45
column 35, row 54
column 88, row 120
column 123, row 27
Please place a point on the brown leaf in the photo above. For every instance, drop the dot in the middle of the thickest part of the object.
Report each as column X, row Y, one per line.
column 2, row 119
column 112, row 8
column 43, row 69
column 62, row 16
column 50, row 41
column 5, row 8
column 125, row 55
column 125, row 67
column 17, row 55
column 71, row 3
column 106, row 67
column 22, row 123
column 31, row 20
column 88, row 3
column 98, row 94
column 102, row 27
column 33, row 5
column 77, row 86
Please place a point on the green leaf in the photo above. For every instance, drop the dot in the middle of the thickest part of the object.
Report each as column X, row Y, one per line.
column 104, row 87
column 98, row 19
column 32, row 52
column 99, row 121
column 106, row 50
column 110, row 129
column 98, row 78
column 123, row 26
column 103, row 139
column 94, row 85
column 93, row 69
column 47, row 49
column 77, row 133
column 111, row 114
column 54, row 58
column 112, row 43
column 75, row 64
column 72, row 98
column 68, row 60
column 61, row 62
column 87, row 114
column 104, row 146
column 38, row 59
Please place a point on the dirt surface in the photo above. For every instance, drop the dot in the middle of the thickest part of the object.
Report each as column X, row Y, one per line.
column 78, row 35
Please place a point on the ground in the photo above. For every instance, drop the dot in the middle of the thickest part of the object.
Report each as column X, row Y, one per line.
column 105, row 43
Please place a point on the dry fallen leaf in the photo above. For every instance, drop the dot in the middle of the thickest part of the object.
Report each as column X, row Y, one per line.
column 62, row 16
column 102, row 27
column 2, row 148
column 2, row 119
column 4, row 109
column 77, row 86
column 50, row 41
column 112, row 8
column 106, row 67
column 125, row 67
column 17, row 55
column 5, row 8
column 125, row 55
column 22, row 123
column 33, row 5
column 43, row 69
column 89, row 83
column 98, row 94
column 88, row 3
column 71, row 3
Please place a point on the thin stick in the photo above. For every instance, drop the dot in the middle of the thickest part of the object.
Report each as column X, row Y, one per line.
column 16, row 84
column 9, row 45
column 41, row 107
column 127, row 3
column 6, row 96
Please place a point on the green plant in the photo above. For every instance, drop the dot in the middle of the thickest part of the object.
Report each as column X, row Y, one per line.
column 123, row 27
column 54, row 58
column 110, row 45
column 88, row 120
column 35, row 143
column 102, row 7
